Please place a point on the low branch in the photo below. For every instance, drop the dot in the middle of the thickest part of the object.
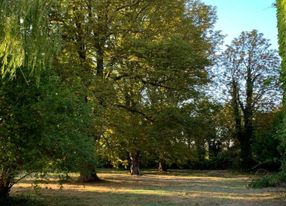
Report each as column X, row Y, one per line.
column 18, row 180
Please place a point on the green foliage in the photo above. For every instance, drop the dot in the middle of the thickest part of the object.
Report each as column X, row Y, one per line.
column 43, row 128
column 282, row 146
column 281, row 19
column 281, row 8
column 154, row 68
column 167, row 138
column 26, row 36
column 276, row 180
column 265, row 143
column 280, row 178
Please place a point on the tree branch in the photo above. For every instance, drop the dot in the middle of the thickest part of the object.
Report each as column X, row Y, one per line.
column 135, row 3
column 132, row 110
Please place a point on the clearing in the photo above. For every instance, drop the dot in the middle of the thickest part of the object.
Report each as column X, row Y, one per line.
column 181, row 188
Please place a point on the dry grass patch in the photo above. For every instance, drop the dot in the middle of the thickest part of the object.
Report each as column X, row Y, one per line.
column 174, row 188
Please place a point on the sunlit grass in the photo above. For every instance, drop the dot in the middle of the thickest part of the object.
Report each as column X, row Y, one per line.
column 221, row 188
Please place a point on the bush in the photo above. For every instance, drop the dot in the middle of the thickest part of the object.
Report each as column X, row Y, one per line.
column 276, row 180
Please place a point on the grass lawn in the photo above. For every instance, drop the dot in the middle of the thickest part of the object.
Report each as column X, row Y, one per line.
column 180, row 188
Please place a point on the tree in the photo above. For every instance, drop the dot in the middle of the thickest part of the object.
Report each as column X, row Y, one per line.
column 250, row 73
column 281, row 8
column 160, row 66
column 43, row 123
column 42, row 128
column 126, row 51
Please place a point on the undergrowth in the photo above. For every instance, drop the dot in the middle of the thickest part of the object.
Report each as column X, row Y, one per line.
column 274, row 180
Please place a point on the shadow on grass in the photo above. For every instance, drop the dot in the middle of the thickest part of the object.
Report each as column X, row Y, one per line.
column 145, row 197
column 21, row 201
column 149, row 183
column 200, row 173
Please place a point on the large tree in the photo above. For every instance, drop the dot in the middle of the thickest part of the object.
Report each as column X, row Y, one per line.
column 250, row 74
column 160, row 67
column 127, row 51
column 42, row 119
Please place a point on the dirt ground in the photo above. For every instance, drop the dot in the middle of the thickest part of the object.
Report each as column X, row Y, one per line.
column 184, row 188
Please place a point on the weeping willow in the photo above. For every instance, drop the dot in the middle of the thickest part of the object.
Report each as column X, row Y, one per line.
column 27, row 38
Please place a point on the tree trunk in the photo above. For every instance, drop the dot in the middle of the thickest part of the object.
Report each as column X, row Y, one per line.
column 245, row 142
column 99, row 60
column 201, row 150
column 243, row 123
column 4, row 190
column 162, row 166
column 88, row 174
column 135, row 163
column 100, row 40
column 246, row 153
column 236, row 110
column 88, row 171
column 214, row 148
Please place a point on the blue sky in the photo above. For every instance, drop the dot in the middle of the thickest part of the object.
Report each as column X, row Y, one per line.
column 235, row 16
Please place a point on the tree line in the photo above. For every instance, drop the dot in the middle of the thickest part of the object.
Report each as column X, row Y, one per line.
column 131, row 84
